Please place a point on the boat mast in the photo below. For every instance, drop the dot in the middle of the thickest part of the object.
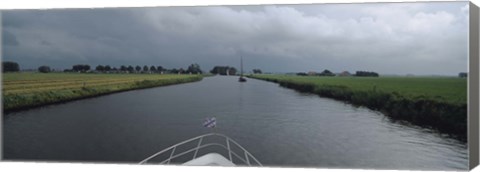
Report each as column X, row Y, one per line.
column 241, row 66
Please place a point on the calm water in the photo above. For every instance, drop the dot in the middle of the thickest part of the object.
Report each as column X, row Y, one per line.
column 281, row 127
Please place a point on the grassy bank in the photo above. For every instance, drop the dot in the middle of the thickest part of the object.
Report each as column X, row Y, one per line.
column 433, row 102
column 26, row 90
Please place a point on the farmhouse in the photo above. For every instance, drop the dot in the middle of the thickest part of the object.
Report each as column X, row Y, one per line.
column 345, row 73
column 312, row 73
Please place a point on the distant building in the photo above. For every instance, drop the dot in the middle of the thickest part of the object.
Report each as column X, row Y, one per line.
column 232, row 71
column 312, row 73
column 345, row 73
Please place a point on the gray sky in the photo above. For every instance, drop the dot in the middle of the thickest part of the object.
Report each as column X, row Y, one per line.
column 389, row 38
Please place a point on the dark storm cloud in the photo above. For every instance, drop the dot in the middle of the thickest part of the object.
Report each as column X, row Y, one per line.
column 422, row 38
column 8, row 39
column 74, row 36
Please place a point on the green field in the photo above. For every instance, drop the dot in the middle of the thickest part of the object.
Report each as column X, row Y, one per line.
column 23, row 90
column 447, row 89
column 433, row 102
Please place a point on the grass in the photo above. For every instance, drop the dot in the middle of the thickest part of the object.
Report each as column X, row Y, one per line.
column 25, row 90
column 434, row 102
column 447, row 89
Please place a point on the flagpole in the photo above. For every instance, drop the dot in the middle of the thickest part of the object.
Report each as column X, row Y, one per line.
column 215, row 127
column 211, row 122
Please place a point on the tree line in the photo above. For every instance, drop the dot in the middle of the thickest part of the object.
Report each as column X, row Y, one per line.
column 223, row 70
column 192, row 69
column 344, row 73
column 9, row 66
column 227, row 70
column 366, row 73
column 257, row 71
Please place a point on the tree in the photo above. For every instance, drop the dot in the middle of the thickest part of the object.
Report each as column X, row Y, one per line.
column 153, row 69
column 160, row 68
column 76, row 68
column 9, row 66
column 108, row 68
column 81, row 67
column 44, row 69
column 257, row 71
column 215, row 70
column 463, row 74
column 123, row 68
column 100, row 68
column 302, row 74
column 86, row 67
column 194, row 69
column 145, row 68
column 365, row 73
column 224, row 70
column 130, row 69
column 326, row 73
column 174, row 70
column 138, row 68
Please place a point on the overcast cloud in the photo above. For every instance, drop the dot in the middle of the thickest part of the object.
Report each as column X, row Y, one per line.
column 392, row 38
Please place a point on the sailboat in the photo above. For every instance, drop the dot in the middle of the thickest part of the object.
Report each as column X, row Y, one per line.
column 241, row 79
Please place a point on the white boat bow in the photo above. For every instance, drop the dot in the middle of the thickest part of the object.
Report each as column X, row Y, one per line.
column 231, row 157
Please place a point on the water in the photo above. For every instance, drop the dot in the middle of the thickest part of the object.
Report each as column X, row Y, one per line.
column 281, row 127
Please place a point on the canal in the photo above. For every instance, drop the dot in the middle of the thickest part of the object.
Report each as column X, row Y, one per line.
column 279, row 126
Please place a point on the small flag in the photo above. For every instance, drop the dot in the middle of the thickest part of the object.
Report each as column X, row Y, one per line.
column 210, row 122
